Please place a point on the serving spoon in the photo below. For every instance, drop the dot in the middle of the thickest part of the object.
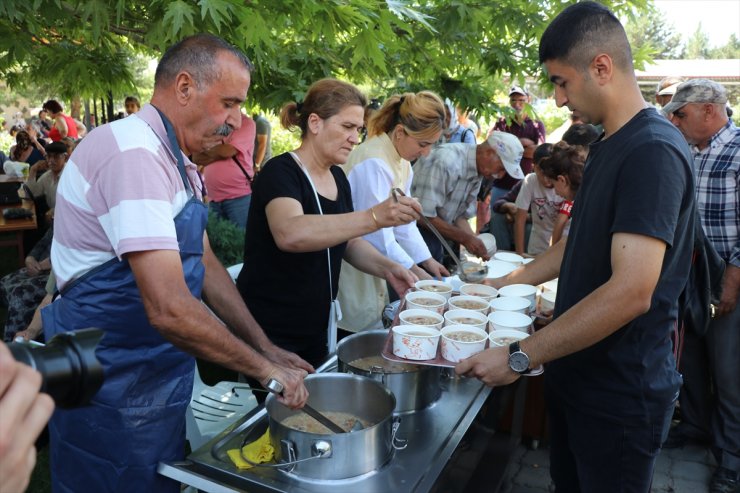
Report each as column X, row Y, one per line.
column 468, row 271
column 277, row 388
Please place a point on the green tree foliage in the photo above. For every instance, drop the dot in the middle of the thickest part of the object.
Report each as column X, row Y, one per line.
column 462, row 49
column 652, row 33
column 697, row 46
column 729, row 50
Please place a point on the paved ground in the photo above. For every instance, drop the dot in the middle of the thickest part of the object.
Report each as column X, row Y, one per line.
column 683, row 470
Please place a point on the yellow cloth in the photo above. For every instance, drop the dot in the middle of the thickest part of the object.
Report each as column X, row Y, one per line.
column 259, row 451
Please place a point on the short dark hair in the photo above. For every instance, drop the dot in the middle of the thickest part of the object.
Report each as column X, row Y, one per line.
column 580, row 134
column 542, row 151
column 56, row 148
column 582, row 31
column 197, row 55
column 565, row 160
column 52, row 106
column 132, row 99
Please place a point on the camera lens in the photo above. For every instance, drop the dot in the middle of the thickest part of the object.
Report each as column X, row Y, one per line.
column 71, row 372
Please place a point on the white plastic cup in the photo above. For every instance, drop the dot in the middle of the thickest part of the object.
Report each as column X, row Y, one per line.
column 426, row 300
column 547, row 301
column 510, row 257
column 466, row 317
column 510, row 304
column 415, row 342
column 521, row 290
column 505, row 337
column 464, row 302
column 455, row 350
column 480, row 290
column 434, row 286
column 490, row 243
column 509, row 321
column 414, row 316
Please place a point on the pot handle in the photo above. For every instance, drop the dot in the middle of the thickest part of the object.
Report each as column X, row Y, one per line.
column 379, row 370
column 398, row 443
column 320, row 449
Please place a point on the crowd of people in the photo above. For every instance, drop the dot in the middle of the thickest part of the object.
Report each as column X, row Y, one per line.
column 331, row 236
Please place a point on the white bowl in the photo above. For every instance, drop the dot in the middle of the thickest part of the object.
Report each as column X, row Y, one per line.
column 521, row 290
column 433, row 286
column 464, row 302
column 415, row 342
column 509, row 321
column 455, row 350
column 489, row 241
column 466, row 317
column 509, row 257
column 415, row 316
column 510, row 304
column 426, row 300
column 480, row 290
column 547, row 301
column 496, row 336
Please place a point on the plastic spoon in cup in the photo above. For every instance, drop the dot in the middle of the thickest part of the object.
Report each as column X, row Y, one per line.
column 474, row 273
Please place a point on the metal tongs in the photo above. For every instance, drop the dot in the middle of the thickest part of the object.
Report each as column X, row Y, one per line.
column 475, row 272
column 277, row 388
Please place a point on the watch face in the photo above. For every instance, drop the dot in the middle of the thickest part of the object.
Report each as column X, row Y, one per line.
column 519, row 362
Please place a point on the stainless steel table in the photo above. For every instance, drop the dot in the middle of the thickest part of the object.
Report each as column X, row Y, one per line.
column 432, row 434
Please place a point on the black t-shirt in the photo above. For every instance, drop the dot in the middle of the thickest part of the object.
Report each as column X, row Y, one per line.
column 638, row 181
column 288, row 293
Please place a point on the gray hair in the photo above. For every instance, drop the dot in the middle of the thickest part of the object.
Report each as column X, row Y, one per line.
column 197, row 56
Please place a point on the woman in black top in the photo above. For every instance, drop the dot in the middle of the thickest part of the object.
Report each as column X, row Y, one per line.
column 285, row 281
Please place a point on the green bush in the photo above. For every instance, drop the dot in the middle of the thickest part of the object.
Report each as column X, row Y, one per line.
column 227, row 240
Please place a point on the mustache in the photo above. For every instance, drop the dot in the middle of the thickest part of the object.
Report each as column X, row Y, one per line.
column 223, row 130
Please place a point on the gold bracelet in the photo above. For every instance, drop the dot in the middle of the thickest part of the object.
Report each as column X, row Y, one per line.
column 375, row 219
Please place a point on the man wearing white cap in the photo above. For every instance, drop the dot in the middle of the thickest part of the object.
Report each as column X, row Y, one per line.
column 446, row 183
column 713, row 411
column 530, row 133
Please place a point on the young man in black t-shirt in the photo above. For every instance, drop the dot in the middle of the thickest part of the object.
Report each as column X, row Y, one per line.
column 610, row 381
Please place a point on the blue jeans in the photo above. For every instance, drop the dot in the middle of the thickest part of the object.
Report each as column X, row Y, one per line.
column 591, row 454
column 234, row 210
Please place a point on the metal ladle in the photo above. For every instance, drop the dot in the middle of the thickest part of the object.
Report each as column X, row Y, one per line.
column 468, row 271
column 277, row 388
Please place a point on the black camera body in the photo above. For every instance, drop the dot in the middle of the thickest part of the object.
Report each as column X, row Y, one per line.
column 71, row 372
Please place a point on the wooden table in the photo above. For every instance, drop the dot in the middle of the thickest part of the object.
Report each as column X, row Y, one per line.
column 17, row 226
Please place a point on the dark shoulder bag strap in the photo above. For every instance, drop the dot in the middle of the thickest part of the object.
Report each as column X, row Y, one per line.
column 249, row 179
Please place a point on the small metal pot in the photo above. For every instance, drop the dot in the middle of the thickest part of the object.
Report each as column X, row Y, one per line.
column 341, row 455
column 414, row 390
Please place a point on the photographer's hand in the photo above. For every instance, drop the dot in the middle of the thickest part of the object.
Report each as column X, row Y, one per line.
column 25, row 413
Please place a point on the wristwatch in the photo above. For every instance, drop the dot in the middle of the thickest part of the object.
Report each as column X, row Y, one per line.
column 518, row 359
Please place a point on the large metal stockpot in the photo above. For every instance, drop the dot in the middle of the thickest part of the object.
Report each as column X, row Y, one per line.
column 341, row 455
column 414, row 390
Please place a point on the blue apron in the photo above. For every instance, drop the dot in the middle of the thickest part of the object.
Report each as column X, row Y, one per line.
column 137, row 419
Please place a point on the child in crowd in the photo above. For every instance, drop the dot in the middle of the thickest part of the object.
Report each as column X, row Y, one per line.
column 538, row 197
column 564, row 169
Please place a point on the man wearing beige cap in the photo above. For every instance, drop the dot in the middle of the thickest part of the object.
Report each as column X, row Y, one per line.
column 666, row 89
column 710, row 403
column 446, row 183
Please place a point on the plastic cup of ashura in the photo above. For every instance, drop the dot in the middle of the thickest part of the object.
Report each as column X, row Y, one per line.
column 480, row 290
column 466, row 317
column 461, row 341
column 434, row 286
column 547, row 301
column 509, row 321
column 426, row 300
column 489, row 241
column 522, row 291
column 422, row 317
column 505, row 337
column 510, row 304
column 415, row 342
column 550, row 286
column 464, row 302
column 510, row 257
